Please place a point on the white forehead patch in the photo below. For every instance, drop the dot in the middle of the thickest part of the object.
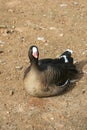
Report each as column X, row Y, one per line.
column 69, row 51
column 34, row 49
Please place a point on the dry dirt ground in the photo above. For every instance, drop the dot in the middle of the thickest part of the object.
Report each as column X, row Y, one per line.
column 54, row 26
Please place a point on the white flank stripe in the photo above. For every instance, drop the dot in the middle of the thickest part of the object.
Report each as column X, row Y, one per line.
column 64, row 84
column 65, row 58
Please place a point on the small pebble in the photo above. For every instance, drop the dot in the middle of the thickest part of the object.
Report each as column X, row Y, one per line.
column 22, row 39
column 40, row 38
column 44, row 15
column 63, row 5
column 11, row 92
column 10, row 31
column 83, row 91
column 61, row 35
column 84, row 52
column 52, row 28
column 18, row 29
column 9, row 51
column 19, row 67
column 20, row 108
column 8, row 112
column 85, row 72
column 2, row 61
column 13, row 27
column 10, row 10
column 75, row 3
column 52, row 118
column 1, row 52
column 3, row 26
column 1, row 42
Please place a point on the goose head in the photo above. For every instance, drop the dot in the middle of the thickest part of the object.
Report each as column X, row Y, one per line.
column 33, row 54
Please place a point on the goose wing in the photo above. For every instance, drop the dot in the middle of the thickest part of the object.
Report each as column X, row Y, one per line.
column 65, row 57
column 59, row 73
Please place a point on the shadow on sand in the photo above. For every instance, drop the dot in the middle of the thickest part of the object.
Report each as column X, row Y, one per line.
column 77, row 78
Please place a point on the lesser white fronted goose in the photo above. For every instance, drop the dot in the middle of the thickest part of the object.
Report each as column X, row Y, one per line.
column 48, row 77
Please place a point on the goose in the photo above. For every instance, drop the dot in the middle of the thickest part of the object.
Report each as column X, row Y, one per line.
column 48, row 77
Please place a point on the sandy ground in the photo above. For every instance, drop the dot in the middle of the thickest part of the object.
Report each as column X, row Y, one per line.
column 54, row 26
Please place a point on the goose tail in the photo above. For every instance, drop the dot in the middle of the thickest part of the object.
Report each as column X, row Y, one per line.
column 66, row 56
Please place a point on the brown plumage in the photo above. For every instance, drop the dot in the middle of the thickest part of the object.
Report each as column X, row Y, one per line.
column 48, row 77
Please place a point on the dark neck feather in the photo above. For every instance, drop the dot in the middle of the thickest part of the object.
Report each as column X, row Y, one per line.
column 33, row 60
